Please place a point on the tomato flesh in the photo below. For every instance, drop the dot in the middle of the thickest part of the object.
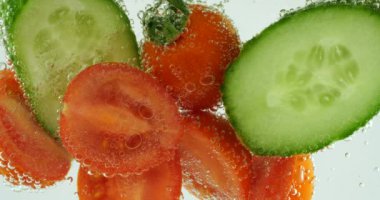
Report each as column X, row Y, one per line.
column 160, row 183
column 28, row 155
column 118, row 120
column 215, row 164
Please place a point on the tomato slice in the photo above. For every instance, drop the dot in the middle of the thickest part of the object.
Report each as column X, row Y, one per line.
column 118, row 120
column 215, row 165
column 28, row 155
column 282, row 178
column 159, row 183
column 192, row 68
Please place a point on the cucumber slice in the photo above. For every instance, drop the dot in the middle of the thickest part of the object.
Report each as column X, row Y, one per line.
column 306, row 81
column 49, row 42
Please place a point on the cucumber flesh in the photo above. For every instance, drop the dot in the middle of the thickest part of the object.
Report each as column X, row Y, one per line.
column 306, row 81
column 50, row 42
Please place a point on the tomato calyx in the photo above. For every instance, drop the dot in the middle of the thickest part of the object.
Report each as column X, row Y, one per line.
column 164, row 25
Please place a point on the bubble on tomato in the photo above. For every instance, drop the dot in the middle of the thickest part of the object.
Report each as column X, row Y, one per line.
column 145, row 112
column 17, row 180
column 207, row 80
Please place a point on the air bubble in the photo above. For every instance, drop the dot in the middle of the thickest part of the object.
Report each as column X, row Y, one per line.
column 70, row 179
column 91, row 173
column 207, row 80
column 145, row 112
column 361, row 184
column 347, row 155
column 10, row 166
column 140, row 15
column 190, row 87
column 134, row 141
column 294, row 192
column 282, row 12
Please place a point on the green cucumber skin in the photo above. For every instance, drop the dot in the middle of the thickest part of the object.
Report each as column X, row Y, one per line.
column 320, row 144
column 10, row 19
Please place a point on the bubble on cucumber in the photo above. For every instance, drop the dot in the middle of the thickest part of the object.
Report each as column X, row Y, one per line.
column 375, row 3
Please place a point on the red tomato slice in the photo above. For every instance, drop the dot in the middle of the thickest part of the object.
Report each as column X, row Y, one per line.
column 160, row 183
column 118, row 120
column 215, row 165
column 282, row 178
column 28, row 155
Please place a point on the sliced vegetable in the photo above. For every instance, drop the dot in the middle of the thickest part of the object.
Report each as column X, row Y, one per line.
column 118, row 120
column 192, row 67
column 282, row 178
column 304, row 82
column 28, row 156
column 215, row 165
column 160, row 183
column 49, row 42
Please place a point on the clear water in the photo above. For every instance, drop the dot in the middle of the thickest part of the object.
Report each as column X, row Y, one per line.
column 350, row 169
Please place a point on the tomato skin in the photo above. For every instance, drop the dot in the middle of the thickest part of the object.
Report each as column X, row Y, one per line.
column 215, row 164
column 282, row 178
column 160, row 183
column 193, row 67
column 119, row 120
column 303, row 179
column 28, row 155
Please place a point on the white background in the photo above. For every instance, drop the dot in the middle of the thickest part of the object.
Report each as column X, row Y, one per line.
column 347, row 170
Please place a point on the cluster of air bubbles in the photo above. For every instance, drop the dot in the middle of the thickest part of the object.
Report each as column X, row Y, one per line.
column 219, row 110
column 373, row 3
column 366, row 127
column 17, row 181
column 122, row 5
column 162, row 21
column 310, row 2
column 284, row 12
